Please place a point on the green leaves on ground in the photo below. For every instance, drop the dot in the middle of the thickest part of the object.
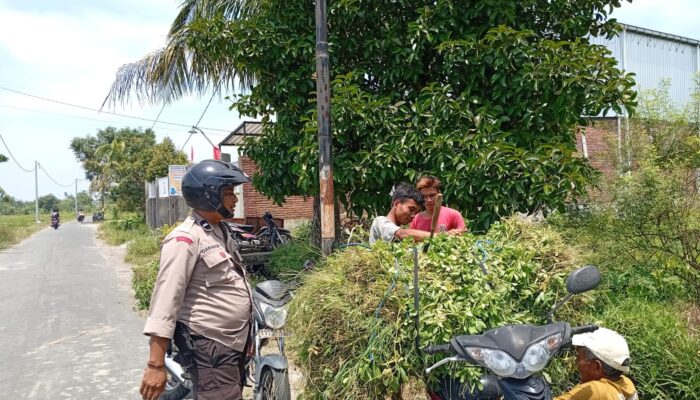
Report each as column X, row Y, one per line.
column 345, row 352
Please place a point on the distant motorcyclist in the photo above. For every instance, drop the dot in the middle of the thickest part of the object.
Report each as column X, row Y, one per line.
column 602, row 357
column 81, row 215
column 55, row 218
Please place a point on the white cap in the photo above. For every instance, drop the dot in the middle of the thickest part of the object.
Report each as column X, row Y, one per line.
column 607, row 345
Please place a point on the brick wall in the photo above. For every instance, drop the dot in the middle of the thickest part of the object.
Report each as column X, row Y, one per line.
column 600, row 134
column 295, row 209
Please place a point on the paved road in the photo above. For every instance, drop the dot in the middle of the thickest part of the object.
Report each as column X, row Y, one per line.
column 67, row 325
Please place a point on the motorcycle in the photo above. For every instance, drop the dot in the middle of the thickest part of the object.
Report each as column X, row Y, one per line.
column 272, row 236
column 514, row 354
column 81, row 218
column 55, row 222
column 269, row 373
column 97, row 217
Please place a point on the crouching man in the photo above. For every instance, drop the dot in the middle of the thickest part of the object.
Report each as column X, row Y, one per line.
column 602, row 359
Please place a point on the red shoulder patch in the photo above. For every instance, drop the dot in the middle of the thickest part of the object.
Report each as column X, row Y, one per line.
column 183, row 239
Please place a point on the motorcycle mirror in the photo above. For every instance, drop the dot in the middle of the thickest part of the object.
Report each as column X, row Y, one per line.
column 583, row 279
column 579, row 281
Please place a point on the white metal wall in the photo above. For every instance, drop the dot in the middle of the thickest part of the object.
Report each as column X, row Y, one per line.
column 654, row 56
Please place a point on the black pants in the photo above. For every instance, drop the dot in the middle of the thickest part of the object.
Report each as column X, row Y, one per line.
column 217, row 371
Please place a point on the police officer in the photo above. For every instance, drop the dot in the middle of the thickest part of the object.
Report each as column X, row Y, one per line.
column 201, row 296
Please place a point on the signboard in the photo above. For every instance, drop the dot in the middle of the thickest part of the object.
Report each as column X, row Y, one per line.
column 151, row 190
column 163, row 187
column 175, row 174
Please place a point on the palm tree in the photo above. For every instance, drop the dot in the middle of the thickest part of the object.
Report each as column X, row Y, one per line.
column 177, row 69
column 109, row 156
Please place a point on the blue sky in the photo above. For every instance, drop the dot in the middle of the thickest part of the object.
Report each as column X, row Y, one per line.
column 70, row 51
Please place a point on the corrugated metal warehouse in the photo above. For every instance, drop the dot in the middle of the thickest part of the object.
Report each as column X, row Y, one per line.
column 653, row 56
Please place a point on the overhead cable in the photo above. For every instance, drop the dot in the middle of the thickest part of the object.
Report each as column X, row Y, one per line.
column 105, row 112
column 54, row 181
column 13, row 157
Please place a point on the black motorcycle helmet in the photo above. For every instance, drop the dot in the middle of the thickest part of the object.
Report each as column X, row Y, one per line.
column 203, row 185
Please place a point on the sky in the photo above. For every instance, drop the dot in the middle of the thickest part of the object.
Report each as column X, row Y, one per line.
column 69, row 51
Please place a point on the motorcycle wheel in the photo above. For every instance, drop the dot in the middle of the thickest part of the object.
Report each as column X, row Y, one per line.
column 274, row 385
column 280, row 240
column 175, row 390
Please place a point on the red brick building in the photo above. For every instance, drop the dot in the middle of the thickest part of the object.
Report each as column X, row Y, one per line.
column 296, row 209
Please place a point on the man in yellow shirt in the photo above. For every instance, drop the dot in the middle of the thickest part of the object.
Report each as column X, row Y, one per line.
column 602, row 357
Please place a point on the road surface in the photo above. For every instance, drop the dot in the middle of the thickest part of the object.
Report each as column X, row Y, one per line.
column 68, row 329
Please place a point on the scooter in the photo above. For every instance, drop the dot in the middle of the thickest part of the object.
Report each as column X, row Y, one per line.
column 55, row 223
column 514, row 354
column 268, row 373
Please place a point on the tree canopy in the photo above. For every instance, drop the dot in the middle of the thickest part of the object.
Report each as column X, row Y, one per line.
column 118, row 162
column 485, row 94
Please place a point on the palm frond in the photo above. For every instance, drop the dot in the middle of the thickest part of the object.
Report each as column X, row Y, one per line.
column 176, row 70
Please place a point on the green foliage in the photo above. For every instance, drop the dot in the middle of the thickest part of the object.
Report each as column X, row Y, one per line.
column 665, row 354
column 14, row 228
column 287, row 262
column 118, row 161
column 345, row 352
column 476, row 91
column 48, row 202
column 142, row 281
column 120, row 231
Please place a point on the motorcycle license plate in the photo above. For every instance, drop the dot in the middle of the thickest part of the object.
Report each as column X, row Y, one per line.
column 271, row 333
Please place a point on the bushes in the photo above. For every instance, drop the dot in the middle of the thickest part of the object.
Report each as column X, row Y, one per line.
column 352, row 319
column 665, row 356
column 288, row 261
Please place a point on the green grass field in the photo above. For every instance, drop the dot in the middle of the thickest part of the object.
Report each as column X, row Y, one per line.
column 14, row 228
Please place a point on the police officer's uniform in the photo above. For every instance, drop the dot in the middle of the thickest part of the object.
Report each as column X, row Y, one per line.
column 202, row 285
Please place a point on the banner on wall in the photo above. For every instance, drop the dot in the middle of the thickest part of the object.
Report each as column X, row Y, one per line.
column 175, row 174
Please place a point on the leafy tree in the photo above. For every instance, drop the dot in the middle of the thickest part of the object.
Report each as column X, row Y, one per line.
column 3, row 158
column 487, row 95
column 163, row 155
column 48, row 202
column 118, row 162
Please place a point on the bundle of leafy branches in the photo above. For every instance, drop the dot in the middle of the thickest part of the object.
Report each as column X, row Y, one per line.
column 353, row 317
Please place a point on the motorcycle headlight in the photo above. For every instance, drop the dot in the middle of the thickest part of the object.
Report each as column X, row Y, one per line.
column 275, row 317
column 496, row 360
column 537, row 355
column 534, row 359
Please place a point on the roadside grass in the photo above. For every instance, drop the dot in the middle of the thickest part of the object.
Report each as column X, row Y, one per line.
column 15, row 228
column 142, row 252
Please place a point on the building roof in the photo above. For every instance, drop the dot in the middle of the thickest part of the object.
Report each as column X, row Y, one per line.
column 238, row 135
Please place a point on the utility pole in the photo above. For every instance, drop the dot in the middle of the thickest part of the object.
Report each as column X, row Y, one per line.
column 36, row 190
column 76, row 196
column 323, row 103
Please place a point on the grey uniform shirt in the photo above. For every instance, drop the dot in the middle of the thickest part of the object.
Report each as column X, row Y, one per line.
column 382, row 229
column 201, row 282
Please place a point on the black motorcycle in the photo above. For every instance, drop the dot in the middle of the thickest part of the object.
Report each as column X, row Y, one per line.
column 272, row 236
column 515, row 354
column 55, row 222
column 97, row 217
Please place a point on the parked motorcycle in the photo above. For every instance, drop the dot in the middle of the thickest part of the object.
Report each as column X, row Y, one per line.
column 515, row 354
column 268, row 373
column 271, row 235
column 81, row 217
column 97, row 217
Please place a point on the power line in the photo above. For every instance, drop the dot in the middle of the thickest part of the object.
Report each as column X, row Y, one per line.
column 158, row 116
column 13, row 157
column 86, row 118
column 54, row 181
column 105, row 112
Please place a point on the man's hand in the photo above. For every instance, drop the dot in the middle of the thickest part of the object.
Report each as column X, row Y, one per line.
column 154, row 377
column 153, row 383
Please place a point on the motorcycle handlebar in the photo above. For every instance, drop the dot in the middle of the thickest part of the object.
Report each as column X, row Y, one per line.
column 583, row 329
column 438, row 348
